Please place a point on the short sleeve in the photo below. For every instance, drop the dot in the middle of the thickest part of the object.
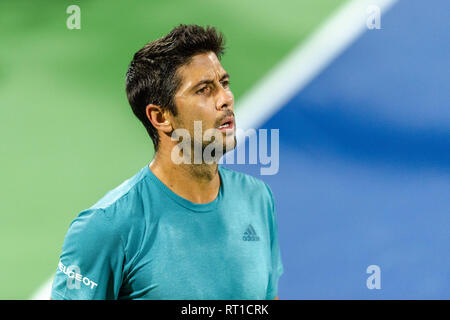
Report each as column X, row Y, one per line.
column 277, row 265
column 90, row 265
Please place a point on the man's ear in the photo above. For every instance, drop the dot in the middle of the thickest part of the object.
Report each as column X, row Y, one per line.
column 159, row 118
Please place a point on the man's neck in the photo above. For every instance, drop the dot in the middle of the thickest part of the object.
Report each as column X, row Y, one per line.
column 198, row 183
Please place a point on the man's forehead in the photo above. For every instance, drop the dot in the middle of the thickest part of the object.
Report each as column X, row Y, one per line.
column 201, row 66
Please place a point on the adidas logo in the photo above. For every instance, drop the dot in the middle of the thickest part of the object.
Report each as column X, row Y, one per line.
column 250, row 234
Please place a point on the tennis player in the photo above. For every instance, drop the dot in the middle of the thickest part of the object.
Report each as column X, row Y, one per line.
column 183, row 227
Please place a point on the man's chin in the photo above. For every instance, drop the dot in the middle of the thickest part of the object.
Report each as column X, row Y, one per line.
column 229, row 144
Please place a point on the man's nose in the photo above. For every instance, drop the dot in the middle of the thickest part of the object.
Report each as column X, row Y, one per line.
column 225, row 99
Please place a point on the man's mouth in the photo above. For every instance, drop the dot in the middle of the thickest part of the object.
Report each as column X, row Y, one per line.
column 227, row 124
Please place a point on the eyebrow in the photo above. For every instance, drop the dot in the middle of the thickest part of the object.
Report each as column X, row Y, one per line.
column 208, row 81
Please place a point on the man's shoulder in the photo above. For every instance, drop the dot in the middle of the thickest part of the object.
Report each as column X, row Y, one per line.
column 121, row 194
column 118, row 207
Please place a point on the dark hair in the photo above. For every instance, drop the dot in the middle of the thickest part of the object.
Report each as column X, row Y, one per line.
column 152, row 74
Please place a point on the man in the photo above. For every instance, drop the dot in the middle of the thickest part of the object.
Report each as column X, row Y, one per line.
column 186, row 229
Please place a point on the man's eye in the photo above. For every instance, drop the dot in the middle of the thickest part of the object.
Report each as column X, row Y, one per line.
column 202, row 90
column 226, row 83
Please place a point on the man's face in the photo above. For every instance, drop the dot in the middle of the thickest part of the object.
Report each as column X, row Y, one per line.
column 204, row 95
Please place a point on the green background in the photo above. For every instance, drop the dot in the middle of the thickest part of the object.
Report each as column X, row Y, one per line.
column 67, row 132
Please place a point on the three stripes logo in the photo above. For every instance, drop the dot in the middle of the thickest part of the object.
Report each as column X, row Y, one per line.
column 250, row 234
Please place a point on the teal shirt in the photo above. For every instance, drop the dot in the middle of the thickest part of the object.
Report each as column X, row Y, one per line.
column 143, row 241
